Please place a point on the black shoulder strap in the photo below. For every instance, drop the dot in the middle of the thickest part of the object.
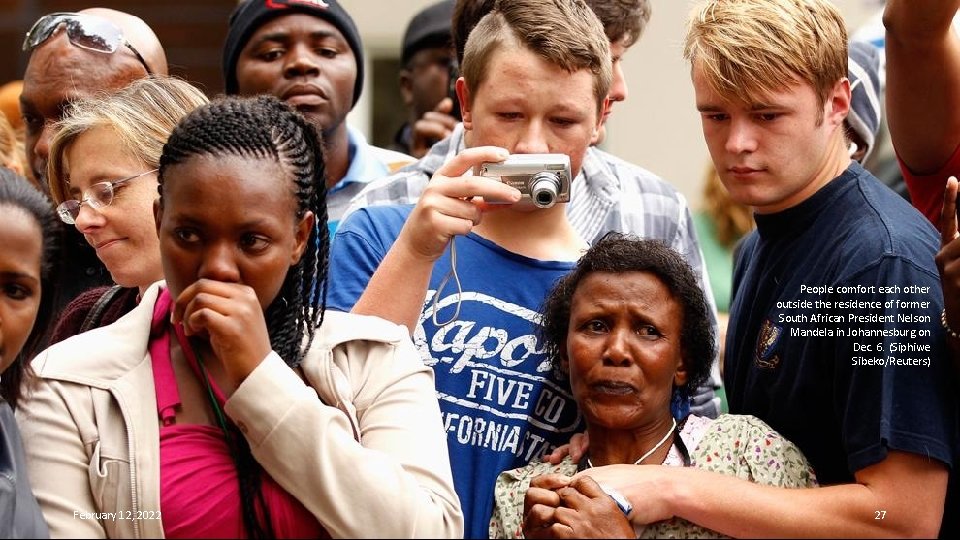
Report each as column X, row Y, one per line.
column 93, row 318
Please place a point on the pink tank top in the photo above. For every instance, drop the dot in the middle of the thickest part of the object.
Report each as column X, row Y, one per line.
column 199, row 492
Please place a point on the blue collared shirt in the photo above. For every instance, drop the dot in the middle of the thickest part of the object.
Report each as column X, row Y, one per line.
column 367, row 163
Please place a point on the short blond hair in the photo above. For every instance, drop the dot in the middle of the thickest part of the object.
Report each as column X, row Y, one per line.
column 142, row 115
column 565, row 33
column 752, row 48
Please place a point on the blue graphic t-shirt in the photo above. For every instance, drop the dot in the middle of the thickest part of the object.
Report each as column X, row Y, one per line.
column 501, row 400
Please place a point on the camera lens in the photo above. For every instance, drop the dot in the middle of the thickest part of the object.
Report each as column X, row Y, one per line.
column 544, row 187
column 544, row 199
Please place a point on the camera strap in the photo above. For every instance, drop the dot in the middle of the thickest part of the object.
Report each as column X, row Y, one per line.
column 443, row 283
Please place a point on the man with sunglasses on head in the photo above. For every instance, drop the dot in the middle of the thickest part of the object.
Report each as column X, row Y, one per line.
column 73, row 56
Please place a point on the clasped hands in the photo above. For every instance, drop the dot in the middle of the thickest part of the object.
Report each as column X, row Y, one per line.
column 558, row 506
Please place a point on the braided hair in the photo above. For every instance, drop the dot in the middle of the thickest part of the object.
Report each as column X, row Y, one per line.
column 267, row 129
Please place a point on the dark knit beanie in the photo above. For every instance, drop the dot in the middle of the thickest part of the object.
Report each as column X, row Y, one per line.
column 428, row 28
column 252, row 14
column 863, row 70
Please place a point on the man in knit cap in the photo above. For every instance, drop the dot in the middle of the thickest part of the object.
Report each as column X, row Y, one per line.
column 863, row 121
column 428, row 73
column 309, row 54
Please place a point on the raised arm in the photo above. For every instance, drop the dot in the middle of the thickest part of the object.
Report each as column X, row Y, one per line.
column 433, row 126
column 397, row 289
column 948, row 262
column 923, row 82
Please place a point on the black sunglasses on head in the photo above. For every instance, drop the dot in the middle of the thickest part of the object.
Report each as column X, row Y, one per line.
column 85, row 31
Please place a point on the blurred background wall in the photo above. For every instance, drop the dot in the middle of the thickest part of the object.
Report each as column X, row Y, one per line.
column 192, row 32
column 657, row 127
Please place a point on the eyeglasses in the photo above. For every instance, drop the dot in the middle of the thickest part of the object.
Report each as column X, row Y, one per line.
column 98, row 196
column 85, row 31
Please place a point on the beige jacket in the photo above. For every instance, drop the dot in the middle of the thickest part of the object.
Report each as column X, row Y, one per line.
column 91, row 432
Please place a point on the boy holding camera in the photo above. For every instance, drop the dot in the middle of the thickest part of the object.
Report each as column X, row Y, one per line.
column 535, row 76
column 609, row 194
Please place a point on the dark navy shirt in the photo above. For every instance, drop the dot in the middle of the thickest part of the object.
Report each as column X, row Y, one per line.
column 844, row 399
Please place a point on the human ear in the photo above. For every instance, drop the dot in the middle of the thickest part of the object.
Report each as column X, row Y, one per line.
column 463, row 96
column 838, row 103
column 564, row 362
column 607, row 103
column 680, row 377
column 157, row 214
column 302, row 236
column 406, row 87
column 14, row 166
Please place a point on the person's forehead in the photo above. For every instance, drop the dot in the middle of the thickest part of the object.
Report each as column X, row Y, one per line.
column 428, row 56
column 788, row 87
column 285, row 24
column 620, row 46
column 20, row 225
column 520, row 68
column 633, row 287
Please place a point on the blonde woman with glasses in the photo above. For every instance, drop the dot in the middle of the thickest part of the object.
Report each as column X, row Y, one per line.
column 102, row 174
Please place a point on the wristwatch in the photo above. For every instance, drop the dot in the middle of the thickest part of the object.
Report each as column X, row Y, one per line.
column 622, row 502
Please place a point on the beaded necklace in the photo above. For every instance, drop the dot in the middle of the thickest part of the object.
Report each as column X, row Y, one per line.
column 652, row 450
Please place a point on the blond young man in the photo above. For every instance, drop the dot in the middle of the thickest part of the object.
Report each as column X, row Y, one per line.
column 535, row 77
column 770, row 84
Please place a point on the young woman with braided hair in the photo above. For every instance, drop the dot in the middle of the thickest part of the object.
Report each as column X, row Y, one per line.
column 228, row 404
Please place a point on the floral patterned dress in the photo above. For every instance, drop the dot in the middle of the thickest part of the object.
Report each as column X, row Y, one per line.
column 736, row 445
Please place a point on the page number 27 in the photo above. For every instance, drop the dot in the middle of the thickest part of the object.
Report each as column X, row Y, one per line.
column 880, row 514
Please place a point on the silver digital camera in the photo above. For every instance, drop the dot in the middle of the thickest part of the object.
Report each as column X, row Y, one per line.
column 544, row 179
